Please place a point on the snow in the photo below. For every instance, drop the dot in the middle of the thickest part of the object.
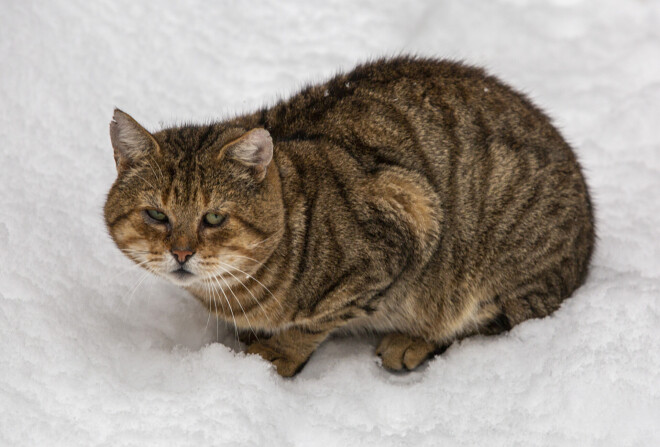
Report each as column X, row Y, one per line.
column 94, row 353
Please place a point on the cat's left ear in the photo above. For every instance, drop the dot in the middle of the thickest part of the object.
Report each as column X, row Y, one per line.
column 253, row 149
column 130, row 141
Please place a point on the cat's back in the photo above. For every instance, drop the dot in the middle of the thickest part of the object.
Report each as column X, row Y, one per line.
column 503, row 180
column 397, row 107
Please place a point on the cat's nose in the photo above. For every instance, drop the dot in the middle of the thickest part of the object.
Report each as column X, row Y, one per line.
column 181, row 256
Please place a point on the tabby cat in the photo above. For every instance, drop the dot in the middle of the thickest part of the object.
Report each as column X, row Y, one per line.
column 419, row 199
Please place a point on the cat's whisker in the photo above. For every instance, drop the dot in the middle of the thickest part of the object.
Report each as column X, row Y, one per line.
column 240, row 305
column 132, row 254
column 222, row 306
column 251, row 259
column 143, row 179
column 136, row 253
column 248, row 290
column 152, row 169
column 131, row 250
column 228, row 304
column 256, row 244
column 134, row 289
column 124, row 269
column 150, row 157
column 208, row 292
column 215, row 304
column 159, row 170
column 255, row 280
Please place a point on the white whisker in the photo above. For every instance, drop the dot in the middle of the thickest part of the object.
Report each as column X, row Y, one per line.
column 264, row 240
column 134, row 289
column 230, row 309
column 251, row 259
column 215, row 304
column 254, row 279
column 248, row 290
column 149, row 157
column 239, row 304
column 152, row 169
column 134, row 250
column 127, row 268
column 143, row 179
column 208, row 292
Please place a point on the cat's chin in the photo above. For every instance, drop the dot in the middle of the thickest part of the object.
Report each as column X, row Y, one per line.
column 182, row 277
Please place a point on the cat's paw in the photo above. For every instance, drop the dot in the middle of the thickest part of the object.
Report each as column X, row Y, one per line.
column 400, row 351
column 285, row 365
column 249, row 337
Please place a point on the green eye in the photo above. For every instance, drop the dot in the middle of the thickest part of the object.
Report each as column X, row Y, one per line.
column 213, row 220
column 157, row 215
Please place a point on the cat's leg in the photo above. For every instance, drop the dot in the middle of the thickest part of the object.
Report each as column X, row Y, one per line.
column 401, row 351
column 288, row 350
column 523, row 305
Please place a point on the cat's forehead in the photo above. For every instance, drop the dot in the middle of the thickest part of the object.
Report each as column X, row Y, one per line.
column 195, row 141
column 189, row 182
column 187, row 154
column 185, row 189
column 186, row 172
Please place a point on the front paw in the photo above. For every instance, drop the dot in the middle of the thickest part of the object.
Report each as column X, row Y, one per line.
column 286, row 365
column 403, row 352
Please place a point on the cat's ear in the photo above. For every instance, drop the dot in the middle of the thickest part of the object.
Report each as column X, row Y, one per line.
column 253, row 149
column 130, row 141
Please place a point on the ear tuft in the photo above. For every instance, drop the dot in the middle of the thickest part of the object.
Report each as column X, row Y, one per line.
column 129, row 140
column 254, row 148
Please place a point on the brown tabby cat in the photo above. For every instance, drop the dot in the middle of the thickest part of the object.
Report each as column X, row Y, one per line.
column 420, row 199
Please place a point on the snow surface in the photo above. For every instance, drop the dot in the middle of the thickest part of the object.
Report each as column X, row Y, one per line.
column 89, row 355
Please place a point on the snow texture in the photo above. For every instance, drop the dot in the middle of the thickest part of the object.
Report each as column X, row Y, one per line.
column 93, row 353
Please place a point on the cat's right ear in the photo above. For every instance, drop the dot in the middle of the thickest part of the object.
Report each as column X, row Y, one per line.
column 253, row 149
column 130, row 141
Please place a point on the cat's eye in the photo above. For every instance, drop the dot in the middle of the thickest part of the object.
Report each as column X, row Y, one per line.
column 213, row 220
column 157, row 216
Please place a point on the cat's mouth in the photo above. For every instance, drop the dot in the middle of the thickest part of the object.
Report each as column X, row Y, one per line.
column 181, row 276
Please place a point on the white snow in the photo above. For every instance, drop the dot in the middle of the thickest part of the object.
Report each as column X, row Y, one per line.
column 89, row 355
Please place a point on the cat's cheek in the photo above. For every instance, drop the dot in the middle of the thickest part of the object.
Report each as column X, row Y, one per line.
column 127, row 235
column 156, row 235
column 135, row 236
column 219, row 237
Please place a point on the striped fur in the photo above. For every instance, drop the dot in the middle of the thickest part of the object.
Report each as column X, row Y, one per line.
column 417, row 198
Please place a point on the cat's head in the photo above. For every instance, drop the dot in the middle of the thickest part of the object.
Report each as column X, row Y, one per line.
column 195, row 202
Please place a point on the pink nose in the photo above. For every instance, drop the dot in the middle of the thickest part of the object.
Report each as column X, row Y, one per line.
column 182, row 255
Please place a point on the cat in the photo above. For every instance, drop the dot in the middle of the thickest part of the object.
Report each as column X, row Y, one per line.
column 420, row 199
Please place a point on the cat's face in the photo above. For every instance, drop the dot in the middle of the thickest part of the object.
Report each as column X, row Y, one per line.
column 194, row 204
